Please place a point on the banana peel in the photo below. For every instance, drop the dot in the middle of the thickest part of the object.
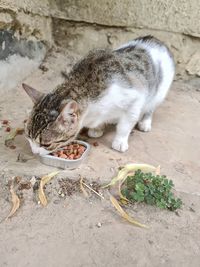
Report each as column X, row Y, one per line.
column 45, row 179
column 123, row 173
column 125, row 215
column 15, row 200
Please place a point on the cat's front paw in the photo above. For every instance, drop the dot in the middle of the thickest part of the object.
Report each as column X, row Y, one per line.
column 95, row 133
column 120, row 145
column 144, row 126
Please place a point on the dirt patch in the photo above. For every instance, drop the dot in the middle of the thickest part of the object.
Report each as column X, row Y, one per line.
column 61, row 188
column 68, row 225
column 68, row 186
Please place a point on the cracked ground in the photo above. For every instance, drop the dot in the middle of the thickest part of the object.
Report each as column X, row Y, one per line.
column 75, row 231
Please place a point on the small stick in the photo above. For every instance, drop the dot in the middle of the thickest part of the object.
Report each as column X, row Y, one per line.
column 93, row 190
column 82, row 188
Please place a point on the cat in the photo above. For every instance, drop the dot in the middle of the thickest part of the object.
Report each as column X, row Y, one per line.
column 122, row 87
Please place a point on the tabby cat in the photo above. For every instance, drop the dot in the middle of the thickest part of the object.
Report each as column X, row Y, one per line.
column 122, row 87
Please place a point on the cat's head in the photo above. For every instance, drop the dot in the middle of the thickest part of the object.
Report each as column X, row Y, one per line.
column 52, row 123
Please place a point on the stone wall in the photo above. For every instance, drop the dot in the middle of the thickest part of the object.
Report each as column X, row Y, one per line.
column 81, row 25
column 24, row 18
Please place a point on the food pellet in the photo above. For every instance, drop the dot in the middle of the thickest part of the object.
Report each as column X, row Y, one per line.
column 12, row 147
column 71, row 152
column 5, row 122
column 95, row 144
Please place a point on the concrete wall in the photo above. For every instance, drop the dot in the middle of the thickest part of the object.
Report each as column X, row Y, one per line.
column 80, row 25
column 180, row 16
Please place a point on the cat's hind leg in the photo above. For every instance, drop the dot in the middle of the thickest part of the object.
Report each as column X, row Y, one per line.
column 144, row 124
column 96, row 132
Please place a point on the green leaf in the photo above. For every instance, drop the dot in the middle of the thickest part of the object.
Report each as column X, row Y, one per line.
column 150, row 200
column 139, row 187
column 138, row 197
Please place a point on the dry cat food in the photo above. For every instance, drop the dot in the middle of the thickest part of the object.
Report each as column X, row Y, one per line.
column 71, row 152
column 5, row 122
column 95, row 144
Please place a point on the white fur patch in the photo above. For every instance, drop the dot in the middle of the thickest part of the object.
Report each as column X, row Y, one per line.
column 120, row 145
column 116, row 102
column 160, row 57
column 36, row 149
column 145, row 125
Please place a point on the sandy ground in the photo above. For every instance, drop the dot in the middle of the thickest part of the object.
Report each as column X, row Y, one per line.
column 66, row 232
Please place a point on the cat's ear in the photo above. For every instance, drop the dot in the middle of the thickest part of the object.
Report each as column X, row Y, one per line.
column 33, row 93
column 69, row 113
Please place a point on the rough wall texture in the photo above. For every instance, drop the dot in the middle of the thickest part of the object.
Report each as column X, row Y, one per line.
column 23, row 17
column 181, row 16
column 82, row 38
column 81, row 25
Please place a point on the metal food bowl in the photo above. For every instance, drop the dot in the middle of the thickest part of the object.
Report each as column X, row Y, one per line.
column 65, row 163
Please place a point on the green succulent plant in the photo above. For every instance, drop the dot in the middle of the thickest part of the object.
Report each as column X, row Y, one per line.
column 151, row 189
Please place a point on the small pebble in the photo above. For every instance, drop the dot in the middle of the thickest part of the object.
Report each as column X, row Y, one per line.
column 57, row 201
column 33, row 180
column 62, row 195
column 191, row 209
column 36, row 186
column 177, row 214
column 99, row 224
